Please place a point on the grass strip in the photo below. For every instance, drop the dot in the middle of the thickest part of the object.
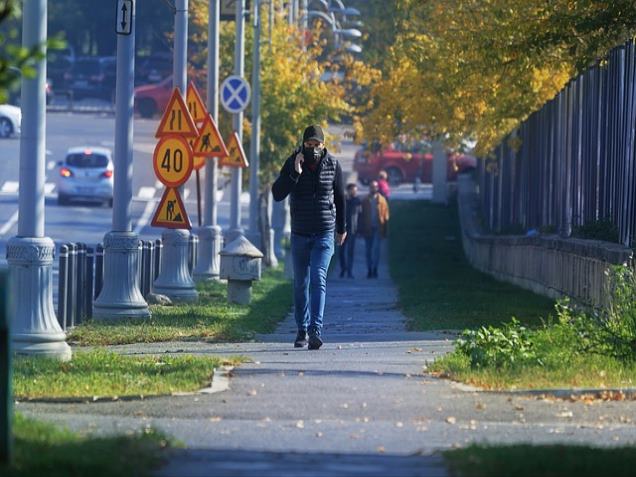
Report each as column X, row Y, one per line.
column 211, row 319
column 105, row 374
column 41, row 449
column 541, row 461
column 438, row 287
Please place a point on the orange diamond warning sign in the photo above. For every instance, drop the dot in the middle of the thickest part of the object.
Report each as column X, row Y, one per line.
column 197, row 109
column 209, row 143
column 171, row 213
column 236, row 155
column 176, row 118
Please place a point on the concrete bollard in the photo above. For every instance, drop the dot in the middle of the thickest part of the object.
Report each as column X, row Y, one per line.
column 240, row 265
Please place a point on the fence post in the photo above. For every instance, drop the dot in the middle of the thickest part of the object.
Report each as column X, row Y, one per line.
column 89, row 274
column 71, row 289
column 6, row 400
column 80, row 267
column 99, row 269
column 158, row 258
column 62, row 284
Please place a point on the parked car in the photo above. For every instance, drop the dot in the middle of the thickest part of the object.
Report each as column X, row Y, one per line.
column 58, row 66
column 152, row 99
column 93, row 77
column 10, row 120
column 86, row 173
column 404, row 163
column 153, row 68
column 15, row 88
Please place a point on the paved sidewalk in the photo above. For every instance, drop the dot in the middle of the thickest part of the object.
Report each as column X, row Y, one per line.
column 361, row 405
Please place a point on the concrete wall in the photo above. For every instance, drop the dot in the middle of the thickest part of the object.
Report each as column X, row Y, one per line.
column 548, row 265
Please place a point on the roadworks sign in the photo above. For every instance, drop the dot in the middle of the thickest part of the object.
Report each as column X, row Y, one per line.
column 209, row 143
column 177, row 119
column 197, row 109
column 171, row 213
column 236, row 155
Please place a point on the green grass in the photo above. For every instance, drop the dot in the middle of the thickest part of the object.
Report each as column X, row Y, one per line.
column 41, row 449
column 438, row 288
column 211, row 319
column 105, row 374
column 541, row 461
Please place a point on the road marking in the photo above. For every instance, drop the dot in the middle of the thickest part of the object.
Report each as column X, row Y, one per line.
column 186, row 194
column 50, row 165
column 9, row 223
column 158, row 185
column 10, row 187
column 145, row 216
column 49, row 187
column 146, row 193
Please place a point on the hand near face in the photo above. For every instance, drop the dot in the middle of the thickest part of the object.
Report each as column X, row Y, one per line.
column 298, row 163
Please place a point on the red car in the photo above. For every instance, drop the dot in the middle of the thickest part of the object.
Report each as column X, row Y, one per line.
column 404, row 164
column 152, row 99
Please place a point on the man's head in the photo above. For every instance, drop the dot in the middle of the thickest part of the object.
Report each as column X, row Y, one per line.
column 382, row 175
column 313, row 137
column 352, row 189
column 373, row 188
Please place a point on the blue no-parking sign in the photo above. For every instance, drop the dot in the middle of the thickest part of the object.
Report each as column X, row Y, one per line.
column 235, row 94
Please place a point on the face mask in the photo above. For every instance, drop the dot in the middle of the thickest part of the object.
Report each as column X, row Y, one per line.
column 311, row 154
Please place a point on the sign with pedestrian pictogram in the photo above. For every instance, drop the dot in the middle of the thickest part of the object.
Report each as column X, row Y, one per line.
column 197, row 109
column 123, row 22
column 209, row 143
column 199, row 162
column 235, row 94
column 176, row 118
column 173, row 160
column 236, row 155
column 171, row 213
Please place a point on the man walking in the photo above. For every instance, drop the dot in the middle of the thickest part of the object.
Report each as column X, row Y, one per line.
column 347, row 250
column 312, row 178
column 375, row 218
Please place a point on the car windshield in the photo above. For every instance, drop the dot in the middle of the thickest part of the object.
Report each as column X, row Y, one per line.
column 87, row 160
column 87, row 67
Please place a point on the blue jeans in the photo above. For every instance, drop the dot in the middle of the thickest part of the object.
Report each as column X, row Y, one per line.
column 373, row 249
column 311, row 256
column 347, row 251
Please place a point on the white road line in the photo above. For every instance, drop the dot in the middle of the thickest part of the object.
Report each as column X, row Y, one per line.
column 10, row 187
column 50, row 165
column 9, row 223
column 146, row 193
column 49, row 187
column 186, row 194
column 145, row 216
column 158, row 185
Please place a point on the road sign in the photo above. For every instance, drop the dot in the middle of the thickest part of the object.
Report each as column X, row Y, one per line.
column 173, row 160
column 235, row 94
column 199, row 162
column 236, row 156
column 177, row 119
column 209, row 143
column 197, row 109
column 123, row 22
column 171, row 212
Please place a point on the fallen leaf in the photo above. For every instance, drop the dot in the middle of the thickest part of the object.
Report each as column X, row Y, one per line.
column 399, row 424
column 381, row 449
column 252, row 392
column 215, row 418
column 451, row 420
column 300, row 424
column 565, row 413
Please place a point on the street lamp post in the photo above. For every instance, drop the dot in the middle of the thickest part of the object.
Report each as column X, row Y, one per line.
column 210, row 235
column 174, row 279
column 34, row 327
column 120, row 296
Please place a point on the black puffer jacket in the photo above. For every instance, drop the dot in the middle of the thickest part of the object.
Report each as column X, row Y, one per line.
column 317, row 198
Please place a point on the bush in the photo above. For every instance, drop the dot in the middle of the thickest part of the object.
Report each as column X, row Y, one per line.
column 508, row 345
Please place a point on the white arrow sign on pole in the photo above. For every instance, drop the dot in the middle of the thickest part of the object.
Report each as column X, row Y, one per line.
column 123, row 22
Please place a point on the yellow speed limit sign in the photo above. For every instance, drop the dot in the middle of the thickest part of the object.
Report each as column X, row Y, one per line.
column 173, row 160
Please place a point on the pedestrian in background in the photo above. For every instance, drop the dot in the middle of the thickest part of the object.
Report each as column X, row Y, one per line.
column 347, row 250
column 375, row 219
column 312, row 178
column 383, row 184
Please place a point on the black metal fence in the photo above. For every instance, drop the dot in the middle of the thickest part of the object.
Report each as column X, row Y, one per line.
column 575, row 165
column 81, row 276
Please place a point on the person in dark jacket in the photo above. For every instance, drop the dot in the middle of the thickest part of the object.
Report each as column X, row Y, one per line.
column 313, row 179
column 347, row 250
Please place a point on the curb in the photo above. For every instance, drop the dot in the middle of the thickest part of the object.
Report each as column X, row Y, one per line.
column 220, row 382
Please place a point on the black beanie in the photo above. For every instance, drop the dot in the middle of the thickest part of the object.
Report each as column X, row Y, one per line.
column 313, row 132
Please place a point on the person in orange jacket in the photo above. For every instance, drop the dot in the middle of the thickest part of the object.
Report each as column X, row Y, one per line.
column 375, row 220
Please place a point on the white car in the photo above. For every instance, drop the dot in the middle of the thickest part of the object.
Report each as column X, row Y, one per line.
column 85, row 174
column 10, row 120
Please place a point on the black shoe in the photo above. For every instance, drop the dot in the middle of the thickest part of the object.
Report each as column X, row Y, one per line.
column 301, row 339
column 314, row 341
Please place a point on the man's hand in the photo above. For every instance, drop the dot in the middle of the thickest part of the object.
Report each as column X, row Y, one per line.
column 298, row 163
column 340, row 238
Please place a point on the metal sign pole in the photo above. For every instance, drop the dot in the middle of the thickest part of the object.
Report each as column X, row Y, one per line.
column 34, row 326
column 120, row 296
